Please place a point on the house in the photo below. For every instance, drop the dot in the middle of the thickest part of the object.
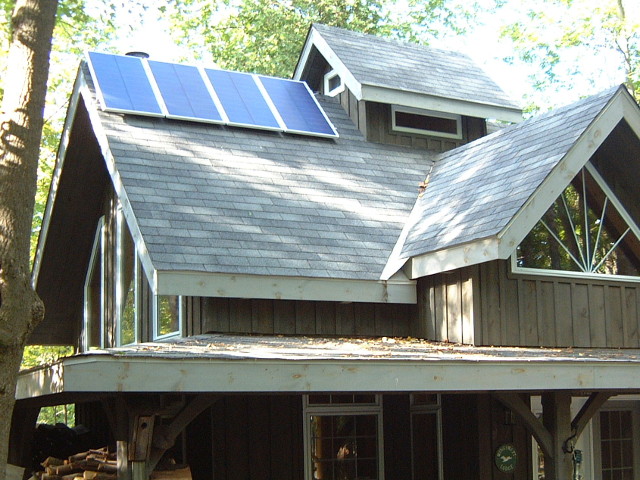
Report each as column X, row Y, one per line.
column 380, row 291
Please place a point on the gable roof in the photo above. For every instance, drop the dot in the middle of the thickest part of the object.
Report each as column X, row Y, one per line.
column 239, row 212
column 390, row 71
column 483, row 198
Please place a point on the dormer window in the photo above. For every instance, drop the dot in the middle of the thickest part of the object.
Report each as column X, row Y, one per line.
column 333, row 84
column 426, row 122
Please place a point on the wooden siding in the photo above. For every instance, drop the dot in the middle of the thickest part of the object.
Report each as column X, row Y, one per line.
column 292, row 317
column 489, row 305
column 374, row 121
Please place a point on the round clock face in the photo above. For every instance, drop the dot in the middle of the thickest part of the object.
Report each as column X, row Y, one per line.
column 506, row 458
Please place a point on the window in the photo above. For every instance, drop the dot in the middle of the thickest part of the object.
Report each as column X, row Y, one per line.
column 586, row 231
column 414, row 120
column 618, row 457
column 168, row 313
column 93, row 293
column 333, row 84
column 343, row 437
column 127, row 290
column 426, row 441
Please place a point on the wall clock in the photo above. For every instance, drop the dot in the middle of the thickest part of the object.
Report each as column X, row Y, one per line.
column 506, row 458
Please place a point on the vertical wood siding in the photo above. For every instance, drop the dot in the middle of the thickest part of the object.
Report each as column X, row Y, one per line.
column 292, row 317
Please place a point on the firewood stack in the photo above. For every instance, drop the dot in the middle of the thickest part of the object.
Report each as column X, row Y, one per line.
column 90, row 465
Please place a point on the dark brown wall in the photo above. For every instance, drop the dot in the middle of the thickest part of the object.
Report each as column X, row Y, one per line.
column 489, row 305
column 290, row 317
column 374, row 121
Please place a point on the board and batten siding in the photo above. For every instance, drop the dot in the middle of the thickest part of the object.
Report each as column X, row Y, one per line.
column 488, row 304
column 294, row 317
column 374, row 121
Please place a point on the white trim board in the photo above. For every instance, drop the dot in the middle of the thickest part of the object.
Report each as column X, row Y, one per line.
column 122, row 373
column 285, row 288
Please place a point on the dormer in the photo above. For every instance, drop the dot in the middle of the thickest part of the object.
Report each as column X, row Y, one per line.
column 403, row 93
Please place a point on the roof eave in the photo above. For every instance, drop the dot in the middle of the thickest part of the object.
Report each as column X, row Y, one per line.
column 122, row 373
column 381, row 94
column 203, row 284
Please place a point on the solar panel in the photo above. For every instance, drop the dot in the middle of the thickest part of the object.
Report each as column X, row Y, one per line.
column 297, row 107
column 184, row 92
column 242, row 99
column 123, row 84
column 130, row 84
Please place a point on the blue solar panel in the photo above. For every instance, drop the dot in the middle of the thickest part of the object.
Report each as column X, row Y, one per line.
column 184, row 92
column 297, row 107
column 123, row 84
column 242, row 99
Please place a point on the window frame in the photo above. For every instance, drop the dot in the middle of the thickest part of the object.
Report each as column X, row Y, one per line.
column 154, row 318
column 346, row 409
column 99, row 241
column 426, row 113
column 515, row 268
column 613, row 406
column 332, row 92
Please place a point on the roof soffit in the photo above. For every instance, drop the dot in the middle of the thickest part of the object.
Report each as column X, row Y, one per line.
column 502, row 243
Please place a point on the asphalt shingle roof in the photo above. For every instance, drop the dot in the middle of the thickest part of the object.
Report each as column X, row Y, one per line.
column 385, row 62
column 475, row 190
column 221, row 199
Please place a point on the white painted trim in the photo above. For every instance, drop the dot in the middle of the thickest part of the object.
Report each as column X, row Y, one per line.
column 200, row 284
column 326, row 81
column 315, row 39
column 426, row 113
column 452, row 258
column 121, row 373
column 154, row 320
column 562, row 174
column 424, row 101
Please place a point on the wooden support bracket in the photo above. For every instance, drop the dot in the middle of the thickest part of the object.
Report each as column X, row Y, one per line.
column 588, row 410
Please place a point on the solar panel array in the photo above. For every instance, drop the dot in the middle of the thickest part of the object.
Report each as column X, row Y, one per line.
column 128, row 84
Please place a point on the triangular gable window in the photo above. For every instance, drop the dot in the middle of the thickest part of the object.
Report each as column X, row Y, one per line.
column 586, row 231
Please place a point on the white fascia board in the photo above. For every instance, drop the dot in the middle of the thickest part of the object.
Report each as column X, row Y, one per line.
column 285, row 288
column 453, row 258
column 146, row 374
column 103, row 142
column 562, row 174
column 78, row 85
column 316, row 40
column 440, row 104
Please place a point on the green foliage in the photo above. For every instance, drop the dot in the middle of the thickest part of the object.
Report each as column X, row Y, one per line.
column 35, row 355
column 266, row 36
column 563, row 37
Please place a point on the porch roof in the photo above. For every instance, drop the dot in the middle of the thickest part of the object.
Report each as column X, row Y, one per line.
column 244, row 364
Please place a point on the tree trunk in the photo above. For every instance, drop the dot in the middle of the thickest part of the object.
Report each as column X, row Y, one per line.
column 21, row 121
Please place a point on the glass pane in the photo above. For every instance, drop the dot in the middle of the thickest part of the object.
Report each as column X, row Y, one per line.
column 94, row 297
column 344, row 447
column 127, row 286
column 168, row 314
column 582, row 232
column 616, row 445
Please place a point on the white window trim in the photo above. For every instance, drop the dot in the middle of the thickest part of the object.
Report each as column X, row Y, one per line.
column 327, row 82
column 98, row 241
column 341, row 409
column 586, row 275
column 611, row 406
column 426, row 113
column 434, row 409
column 156, row 309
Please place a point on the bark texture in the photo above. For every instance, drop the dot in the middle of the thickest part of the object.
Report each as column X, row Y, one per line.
column 21, row 121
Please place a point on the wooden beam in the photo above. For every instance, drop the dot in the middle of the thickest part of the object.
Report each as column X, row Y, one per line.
column 588, row 410
column 165, row 436
column 534, row 426
column 556, row 417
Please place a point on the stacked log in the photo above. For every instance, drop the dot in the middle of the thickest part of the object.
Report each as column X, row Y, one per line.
column 90, row 465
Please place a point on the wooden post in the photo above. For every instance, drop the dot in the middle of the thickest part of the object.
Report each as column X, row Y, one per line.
column 556, row 416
